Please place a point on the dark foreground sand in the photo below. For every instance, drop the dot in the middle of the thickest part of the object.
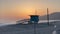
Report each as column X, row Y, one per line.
column 27, row 29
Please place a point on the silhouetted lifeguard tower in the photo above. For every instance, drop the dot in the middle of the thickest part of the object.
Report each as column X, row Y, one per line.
column 34, row 18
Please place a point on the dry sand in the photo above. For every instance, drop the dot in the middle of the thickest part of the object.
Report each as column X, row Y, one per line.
column 26, row 29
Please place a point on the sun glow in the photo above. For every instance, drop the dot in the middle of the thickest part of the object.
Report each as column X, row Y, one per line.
column 24, row 12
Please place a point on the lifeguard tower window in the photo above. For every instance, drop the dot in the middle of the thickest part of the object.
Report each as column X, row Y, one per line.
column 34, row 18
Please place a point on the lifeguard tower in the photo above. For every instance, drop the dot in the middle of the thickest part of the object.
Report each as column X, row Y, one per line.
column 34, row 18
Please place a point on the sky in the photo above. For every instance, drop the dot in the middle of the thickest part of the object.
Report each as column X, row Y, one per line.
column 20, row 9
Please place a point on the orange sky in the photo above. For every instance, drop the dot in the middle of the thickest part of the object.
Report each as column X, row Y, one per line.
column 15, row 9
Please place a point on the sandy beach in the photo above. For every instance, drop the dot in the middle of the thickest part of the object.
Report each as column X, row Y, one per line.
column 42, row 28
